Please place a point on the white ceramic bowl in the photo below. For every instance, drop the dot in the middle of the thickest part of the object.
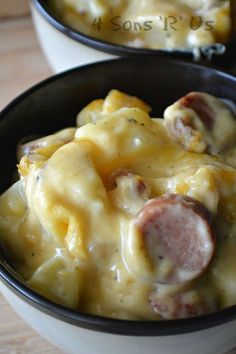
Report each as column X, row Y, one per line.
column 62, row 51
column 66, row 48
column 52, row 105
column 72, row 338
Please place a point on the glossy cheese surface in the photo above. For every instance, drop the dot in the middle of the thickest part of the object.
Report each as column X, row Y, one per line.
column 68, row 228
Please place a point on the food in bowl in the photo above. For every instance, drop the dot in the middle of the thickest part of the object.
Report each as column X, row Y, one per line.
column 127, row 216
column 155, row 24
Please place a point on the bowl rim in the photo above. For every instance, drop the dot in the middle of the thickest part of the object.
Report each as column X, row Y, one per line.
column 14, row 282
column 204, row 52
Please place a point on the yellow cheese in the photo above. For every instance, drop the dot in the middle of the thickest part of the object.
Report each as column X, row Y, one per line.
column 68, row 229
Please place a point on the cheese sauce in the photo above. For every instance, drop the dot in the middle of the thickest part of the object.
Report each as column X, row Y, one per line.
column 67, row 225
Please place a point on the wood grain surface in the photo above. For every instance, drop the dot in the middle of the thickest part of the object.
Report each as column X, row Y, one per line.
column 21, row 65
column 21, row 61
column 9, row 8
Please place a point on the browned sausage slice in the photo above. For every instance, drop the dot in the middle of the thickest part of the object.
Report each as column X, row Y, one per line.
column 128, row 192
column 199, row 104
column 112, row 180
column 178, row 237
column 183, row 304
column 201, row 122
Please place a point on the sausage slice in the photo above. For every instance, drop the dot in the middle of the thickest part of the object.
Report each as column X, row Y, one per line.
column 201, row 122
column 128, row 191
column 183, row 304
column 178, row 237
column 199, row 103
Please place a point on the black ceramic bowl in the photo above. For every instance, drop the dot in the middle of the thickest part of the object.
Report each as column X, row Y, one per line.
column 54, row 104
column 65, row 47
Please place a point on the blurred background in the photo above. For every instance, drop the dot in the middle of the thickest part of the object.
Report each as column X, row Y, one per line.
column 22, row 63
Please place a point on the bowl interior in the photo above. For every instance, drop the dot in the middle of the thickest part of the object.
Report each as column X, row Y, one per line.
column 54, row 104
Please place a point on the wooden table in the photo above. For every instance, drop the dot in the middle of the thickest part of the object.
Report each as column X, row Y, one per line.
column 21, row 65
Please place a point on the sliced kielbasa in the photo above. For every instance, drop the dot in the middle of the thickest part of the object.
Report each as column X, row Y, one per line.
column 178, row 237
column 183, row 304
column 201, row 122
column 128, row 191
column 112, row 180
column 198, row 102
column 32, row 143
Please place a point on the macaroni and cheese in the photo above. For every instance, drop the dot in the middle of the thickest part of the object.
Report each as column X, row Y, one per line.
column 127, row 216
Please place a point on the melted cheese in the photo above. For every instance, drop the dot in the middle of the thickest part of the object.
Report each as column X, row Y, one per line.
column 150, row 23
column 69, row 232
